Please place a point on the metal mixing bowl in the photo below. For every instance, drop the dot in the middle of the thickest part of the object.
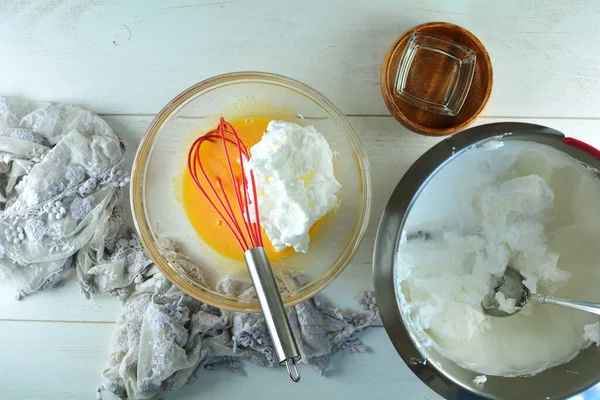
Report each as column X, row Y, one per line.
column 577, row 379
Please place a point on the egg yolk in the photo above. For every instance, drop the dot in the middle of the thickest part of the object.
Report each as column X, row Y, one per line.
column 205, row 220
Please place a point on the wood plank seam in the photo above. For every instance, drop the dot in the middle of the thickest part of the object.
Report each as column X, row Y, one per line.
column 58, row 321
column 389, row 116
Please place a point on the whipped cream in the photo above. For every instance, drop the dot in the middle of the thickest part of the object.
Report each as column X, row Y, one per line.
column 515, row 203
column 296, row 186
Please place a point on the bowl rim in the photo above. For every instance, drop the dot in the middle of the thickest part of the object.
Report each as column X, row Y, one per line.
column 388, row 235
column 144, row 149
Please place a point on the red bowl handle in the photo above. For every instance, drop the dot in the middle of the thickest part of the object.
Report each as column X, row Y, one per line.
column 591, row 150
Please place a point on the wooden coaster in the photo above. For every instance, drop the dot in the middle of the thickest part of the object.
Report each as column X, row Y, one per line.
column 427, row 122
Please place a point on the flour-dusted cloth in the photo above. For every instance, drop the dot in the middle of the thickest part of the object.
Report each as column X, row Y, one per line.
column 60, row 188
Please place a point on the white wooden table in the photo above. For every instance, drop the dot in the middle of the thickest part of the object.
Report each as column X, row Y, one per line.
column 125, row 61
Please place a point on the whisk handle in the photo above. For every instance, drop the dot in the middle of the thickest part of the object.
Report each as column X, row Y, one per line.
column 273, row 310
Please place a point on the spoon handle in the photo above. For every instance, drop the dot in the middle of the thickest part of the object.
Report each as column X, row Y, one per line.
column 586, row 306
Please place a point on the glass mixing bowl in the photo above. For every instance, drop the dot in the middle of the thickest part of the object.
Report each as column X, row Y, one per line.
column 161, row 160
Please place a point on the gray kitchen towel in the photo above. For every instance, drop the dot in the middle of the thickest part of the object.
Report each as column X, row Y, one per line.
column 165, row 337
column 60, row 188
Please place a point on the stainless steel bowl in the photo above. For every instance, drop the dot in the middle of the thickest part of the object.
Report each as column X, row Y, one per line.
column 578, row 379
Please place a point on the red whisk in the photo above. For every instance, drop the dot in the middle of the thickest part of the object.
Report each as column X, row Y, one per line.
column 248, row 234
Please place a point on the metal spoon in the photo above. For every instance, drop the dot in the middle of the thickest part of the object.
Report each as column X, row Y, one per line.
column 512, row 287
